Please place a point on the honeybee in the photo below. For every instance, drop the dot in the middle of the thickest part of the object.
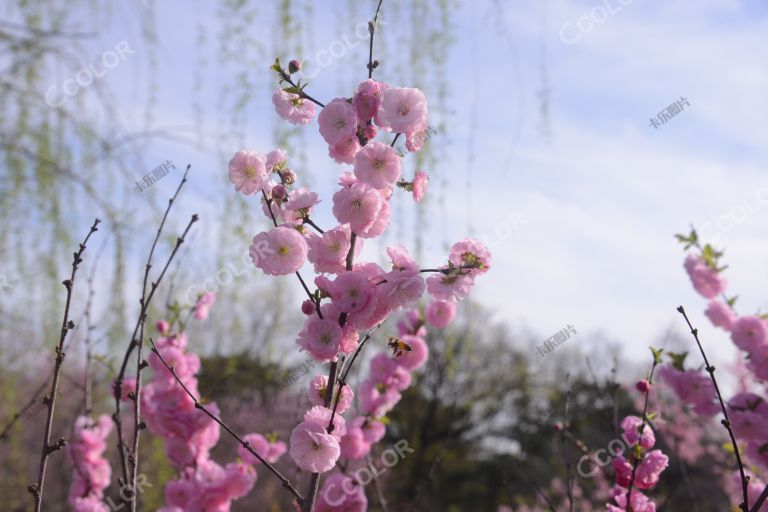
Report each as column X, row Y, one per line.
column 398, row 346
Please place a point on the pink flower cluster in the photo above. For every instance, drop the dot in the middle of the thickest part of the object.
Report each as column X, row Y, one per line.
column 747, row 410
column 202, row 484
column 92, row 471
column 650, row 464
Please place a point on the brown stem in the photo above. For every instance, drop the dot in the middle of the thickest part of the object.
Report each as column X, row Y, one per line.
column 726, row 422
column 371, row 30
column 245, row 444
column 66, row 325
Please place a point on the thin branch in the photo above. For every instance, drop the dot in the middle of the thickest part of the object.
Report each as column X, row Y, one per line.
column 726, row 422
column 245, row 444
column 371, row 30
column 23, row 411
column 134, row 343
column 66, row 325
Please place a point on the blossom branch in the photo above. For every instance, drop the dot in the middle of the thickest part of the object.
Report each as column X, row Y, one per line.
column 726, row 422
column 67, row 325
column 343, row 377
column 245, row 444
column 636, row 462
column 564, row 448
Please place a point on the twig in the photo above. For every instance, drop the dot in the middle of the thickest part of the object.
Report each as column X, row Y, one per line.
column 245, row 444
column 726, row 422
column 135, row 342
column 536, row 486
column 23, row 411
column 66, row 325
column 371, row 30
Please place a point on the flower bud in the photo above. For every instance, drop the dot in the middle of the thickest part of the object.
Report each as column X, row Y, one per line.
column 643, row 386
column 370, row 131
column 278, row 191
column 288, row 176
column 294, row 66
column 307, row 307
column 162, row 326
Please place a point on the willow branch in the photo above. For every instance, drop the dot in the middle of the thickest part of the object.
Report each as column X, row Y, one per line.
column 67, row 325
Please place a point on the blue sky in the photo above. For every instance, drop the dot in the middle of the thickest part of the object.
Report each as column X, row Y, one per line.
column 599, row 201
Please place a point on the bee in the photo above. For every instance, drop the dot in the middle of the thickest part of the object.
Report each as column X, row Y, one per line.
column 398, row 346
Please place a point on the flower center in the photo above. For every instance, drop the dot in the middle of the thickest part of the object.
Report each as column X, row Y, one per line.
column 340, row 123
column 249, row 172
column 357, row 204
column 283, row 250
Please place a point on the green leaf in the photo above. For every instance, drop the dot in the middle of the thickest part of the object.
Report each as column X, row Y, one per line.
column 678, row 360
column 656, row 354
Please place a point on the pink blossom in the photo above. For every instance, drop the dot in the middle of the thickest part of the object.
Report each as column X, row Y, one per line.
column 402, row 288
column 248, row 172
column 322, row 415
column 748, row 413
column 341, row 493
column 259, row 444
column 377, row 399
column 400, row 379
column 204, row 305
column 379, row 224
column 86, row 452
column 353, row 446
column 357, row 205
column 292, row 107
column 338, row 121
column 366, row 100
column 749, row 333
column 720, row 314
column 301, row 200
column 276, row 159
column 416, row 137
column 471, row 254
column 353, row 292
column 440, row 313
column 640, row 502
column 757, row 452
column 420, row 182
column 450, row 287
column 318, row 387
column 349, row 339
column 321, row 338
column 279, row 252
column 631, row 426
column 692, row 387
column 622, row 470
column 377, row 165
column 403, row 109
column 328, row 252
column 373, row 431
column 401, row 258
column 706, row 280
column 412, row 323
column 649, row 469
column 345, row 151
column 381, row 368
column 312, row 448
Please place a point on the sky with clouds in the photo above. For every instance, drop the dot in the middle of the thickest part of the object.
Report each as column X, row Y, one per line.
column 580, row 201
